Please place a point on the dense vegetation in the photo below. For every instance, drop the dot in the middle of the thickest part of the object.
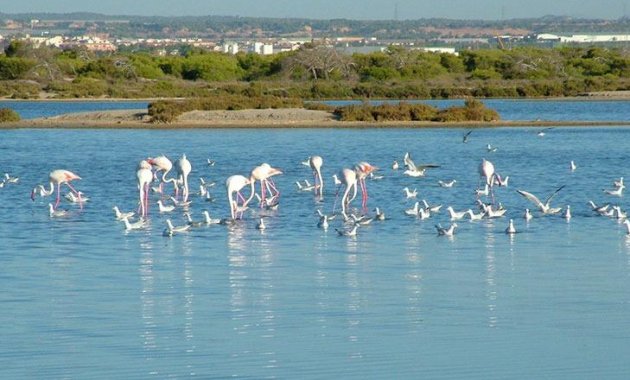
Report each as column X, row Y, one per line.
column 8, row 115
column 167, row 111
column 314, row 72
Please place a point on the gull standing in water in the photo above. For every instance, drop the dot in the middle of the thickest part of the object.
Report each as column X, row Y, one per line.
column 528, row 215
column 510, row 228
column 545, row 208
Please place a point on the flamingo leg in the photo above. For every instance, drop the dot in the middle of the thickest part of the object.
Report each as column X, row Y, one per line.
column 146, row 199
column 364, row 194
column 58, row 195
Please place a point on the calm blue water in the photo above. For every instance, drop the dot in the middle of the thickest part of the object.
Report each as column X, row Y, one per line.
column 551, row 110
column 83, row 299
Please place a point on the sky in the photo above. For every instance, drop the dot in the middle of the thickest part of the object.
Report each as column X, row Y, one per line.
column 327, row 9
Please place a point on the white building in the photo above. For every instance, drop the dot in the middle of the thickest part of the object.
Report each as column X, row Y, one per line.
column 230, row 48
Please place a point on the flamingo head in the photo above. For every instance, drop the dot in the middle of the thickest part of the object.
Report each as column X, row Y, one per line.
column 365, row 168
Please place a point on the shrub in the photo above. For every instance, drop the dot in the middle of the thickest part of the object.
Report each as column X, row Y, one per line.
column 8, row 115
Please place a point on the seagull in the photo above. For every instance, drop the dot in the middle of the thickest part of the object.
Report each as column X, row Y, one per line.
column 165, row 208
column 336, row 179
column 208, row 220
column 619, row 183
column 76, row 199
column 572, row 166
column 9, row 179
column 491, row 149
column 410, row 194
column 211, row 162
column 510, row 228
column 528, row 215
column 209, row 197
column 544, row 207
column 447, row 184
column 501, row 182
column 465, row 137
column 56, row 213
column 122, row 215
column 304, row 187
column 375, row 177
column 261, row 225
column 434, row 209
column 205, row 183
column 541, row 132
column 395, row 165
column 424, row 213
column 323, row 222
column 620, row 214
column 349, row 233
column 567, row 213
column 140, row 223
column 498, row 213
column 180, row 203
column 599, row 209
column 329, row 217
column 450, row 231
column 414, row 210
column 618, row 192
column 627, row 223
column 193, row 223
column 474, row 216
column 203, row 190
column 171, row 230
column 362, row 221
column 485, row 191
column 380, row 215
column 414, row 170
column 456, row 215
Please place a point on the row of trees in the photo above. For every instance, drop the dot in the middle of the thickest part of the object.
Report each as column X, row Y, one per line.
column 326, row 72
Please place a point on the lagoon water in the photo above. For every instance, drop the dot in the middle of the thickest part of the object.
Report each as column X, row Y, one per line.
column 83, row 299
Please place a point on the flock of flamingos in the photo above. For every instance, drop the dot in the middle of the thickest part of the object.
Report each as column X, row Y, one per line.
column 350, row 180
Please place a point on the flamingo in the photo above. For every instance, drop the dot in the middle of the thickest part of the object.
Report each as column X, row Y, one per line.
column 234, row 184
column 163, row 164
column 57, row 178
column 144, row 176
column 349, row 180
column 363, row 169
column 486, row 170
column 263, row 173
column 183, row 168
column 316, row 162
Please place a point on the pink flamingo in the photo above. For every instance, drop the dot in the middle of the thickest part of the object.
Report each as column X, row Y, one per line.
column 349, row 180
column 234, row 184
column 183, row 168
column 163, row 164
column 59, row 177
column 263, row 173
column 144, row 176
column 363, row 169
column 315, row 162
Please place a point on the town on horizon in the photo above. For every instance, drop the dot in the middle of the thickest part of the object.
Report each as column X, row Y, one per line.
column 166, row 35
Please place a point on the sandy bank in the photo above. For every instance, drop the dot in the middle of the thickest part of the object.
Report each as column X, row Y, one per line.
column 267, row 118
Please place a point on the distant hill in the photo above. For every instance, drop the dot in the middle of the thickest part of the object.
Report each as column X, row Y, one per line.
column 247, row 27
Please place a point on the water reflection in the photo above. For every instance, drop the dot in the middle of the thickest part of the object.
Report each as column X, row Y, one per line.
column 491, row 286
column 354, row 304
column 413, row 279
column 189, row 296
column 147, row 299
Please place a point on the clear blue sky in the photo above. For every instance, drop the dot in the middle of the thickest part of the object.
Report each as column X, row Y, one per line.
column 326, row 9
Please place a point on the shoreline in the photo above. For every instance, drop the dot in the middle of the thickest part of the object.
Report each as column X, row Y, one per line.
column 287, row 118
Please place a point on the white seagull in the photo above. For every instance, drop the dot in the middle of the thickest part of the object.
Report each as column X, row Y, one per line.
column 121, row 215
column 171, row 230
column 409, row 193
column 139, row 224
column 456, row 215
column 165, row 208
column 510, row 228
column 447, row 184
column 545, row 208
column 208, row 220
column 414, row 170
